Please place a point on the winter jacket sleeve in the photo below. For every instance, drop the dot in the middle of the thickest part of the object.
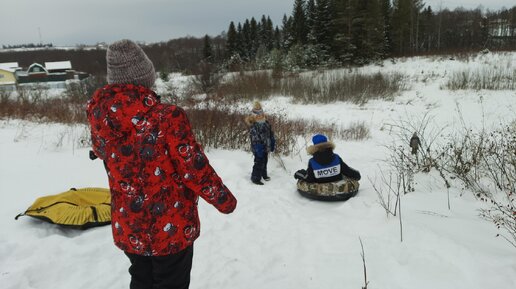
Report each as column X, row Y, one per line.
column 310, row 176
column 273, row 142
column 192, row 164
column 300, row 175
column 349, row 171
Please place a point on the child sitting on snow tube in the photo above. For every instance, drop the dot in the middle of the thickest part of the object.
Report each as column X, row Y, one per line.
column 327, row 176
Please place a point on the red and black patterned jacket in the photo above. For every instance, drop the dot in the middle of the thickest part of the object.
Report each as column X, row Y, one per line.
column 156, row 170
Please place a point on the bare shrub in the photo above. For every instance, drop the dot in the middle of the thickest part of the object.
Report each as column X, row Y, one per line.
column 6, row 107
column 402, row 166
column 81, row 91
column 171, row 94
column 429, row 150
column 218, row 128
column 248, row 86
column 391, row 189
column 206, row 78
column 486, row 164
column 403, row 162
column 32, row 105
column 362, row 254
column 223, row 127
column 355, row 131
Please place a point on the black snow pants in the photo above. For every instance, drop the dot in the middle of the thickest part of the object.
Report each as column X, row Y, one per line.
column 161, row 272
column 259, row 168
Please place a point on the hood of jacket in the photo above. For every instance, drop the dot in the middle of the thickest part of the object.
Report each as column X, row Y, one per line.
column 320, row 147
column 250, row 119
column 118, row 110
column 324, row 156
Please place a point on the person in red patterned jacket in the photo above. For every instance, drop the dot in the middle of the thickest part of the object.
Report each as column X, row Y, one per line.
column 156, row 171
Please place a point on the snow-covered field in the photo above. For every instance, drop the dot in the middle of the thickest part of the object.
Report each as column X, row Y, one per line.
column 276, row 238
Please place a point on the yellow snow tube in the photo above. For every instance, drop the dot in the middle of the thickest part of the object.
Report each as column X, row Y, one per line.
column 79, row 208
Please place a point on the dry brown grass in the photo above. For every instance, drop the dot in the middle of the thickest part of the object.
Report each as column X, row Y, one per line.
column 317, row 87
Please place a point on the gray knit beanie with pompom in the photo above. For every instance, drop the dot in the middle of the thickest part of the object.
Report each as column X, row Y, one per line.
column 128, row 64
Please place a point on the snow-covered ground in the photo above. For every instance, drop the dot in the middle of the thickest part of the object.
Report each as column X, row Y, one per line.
column 276, row 238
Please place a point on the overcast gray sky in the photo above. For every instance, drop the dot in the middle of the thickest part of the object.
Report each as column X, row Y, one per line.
column 70, row 22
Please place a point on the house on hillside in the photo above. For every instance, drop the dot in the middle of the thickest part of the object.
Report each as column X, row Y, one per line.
column 501, row 28
column 7, row 77
column 502, row 33
column 59, row 71
column 58, row 66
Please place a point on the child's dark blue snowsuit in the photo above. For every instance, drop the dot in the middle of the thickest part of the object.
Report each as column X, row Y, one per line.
column 262, row 142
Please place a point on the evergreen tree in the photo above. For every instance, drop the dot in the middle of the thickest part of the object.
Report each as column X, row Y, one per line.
column 207, row 50
column 231, row 41
column 387, row 16
column 343, row 18
column 287, row 38
column 266, row 32
column 476, row 31
column 247, row 41
column 376, row 30
column 368, row 31
column 324, row 32
column 485, row 30
column 310, row 22
column 254, row 40
column 299, row 31
column 277, row 39
column 428, row 31
column 359, row 33
column 401, row 26
column 269, row 32
column 415, row 13
column 240, row 41
column 262, row 34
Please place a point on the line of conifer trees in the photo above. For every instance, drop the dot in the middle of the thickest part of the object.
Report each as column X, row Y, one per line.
column 333, row 32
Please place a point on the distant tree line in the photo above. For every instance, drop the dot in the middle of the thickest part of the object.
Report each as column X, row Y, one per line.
column 318, row 33
column 177, row 55
column 336, row 32
column 28, row 45
column 91, row 61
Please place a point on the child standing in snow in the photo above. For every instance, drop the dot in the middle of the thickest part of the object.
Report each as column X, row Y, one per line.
column 262, row 142
column 156, row 171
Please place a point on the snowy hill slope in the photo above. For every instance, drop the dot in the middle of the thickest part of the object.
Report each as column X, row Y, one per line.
column 276, row 238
